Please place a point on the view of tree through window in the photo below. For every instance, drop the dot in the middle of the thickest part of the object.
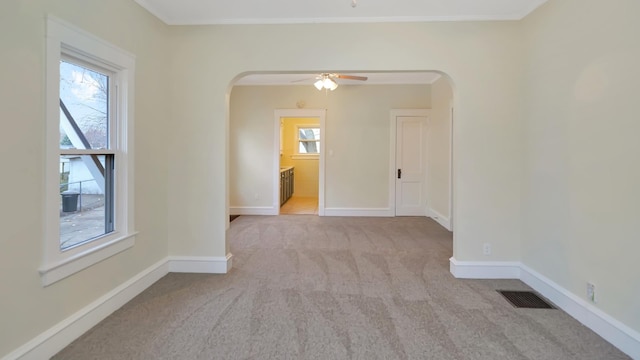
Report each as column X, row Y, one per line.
column 85, row 94
column 309, row 140
column 85, row 172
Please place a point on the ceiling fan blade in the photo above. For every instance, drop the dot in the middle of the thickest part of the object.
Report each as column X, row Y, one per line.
column 351, row 77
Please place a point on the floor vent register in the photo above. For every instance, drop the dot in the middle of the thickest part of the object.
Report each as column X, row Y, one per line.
column 525, row 299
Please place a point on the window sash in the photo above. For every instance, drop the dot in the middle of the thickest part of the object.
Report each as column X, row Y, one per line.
column 87, row 152
column 107, row 182
column 300, row 141
column 81, row 60
column 95, row 223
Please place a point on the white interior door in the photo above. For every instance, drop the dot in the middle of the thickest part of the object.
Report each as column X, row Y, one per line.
column 410, row 165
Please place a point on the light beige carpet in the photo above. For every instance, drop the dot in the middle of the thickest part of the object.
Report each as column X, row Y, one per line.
column 306, row 287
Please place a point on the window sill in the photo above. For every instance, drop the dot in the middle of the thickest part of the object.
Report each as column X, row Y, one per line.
column 305, row 157
column 51, row 273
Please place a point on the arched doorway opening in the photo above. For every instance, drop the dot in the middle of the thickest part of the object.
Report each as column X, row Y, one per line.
column 357, row 153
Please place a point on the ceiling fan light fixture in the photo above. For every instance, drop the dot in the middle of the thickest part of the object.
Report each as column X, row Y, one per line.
column 326, row 82
column 330, row 84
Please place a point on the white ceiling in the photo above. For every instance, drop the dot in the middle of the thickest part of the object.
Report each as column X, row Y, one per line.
column 191, row 12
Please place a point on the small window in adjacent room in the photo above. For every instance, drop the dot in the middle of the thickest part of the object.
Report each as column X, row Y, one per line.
column 308, row 140
column 89, row 161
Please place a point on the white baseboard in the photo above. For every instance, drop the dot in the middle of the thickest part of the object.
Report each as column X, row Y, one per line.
column 62, row 334
column 440, row 219
column 200, row 264
column 361, row 212
column 612, row 330
column 484, row 269
column 253, row 210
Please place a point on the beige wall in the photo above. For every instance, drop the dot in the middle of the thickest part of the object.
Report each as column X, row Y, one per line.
column 26, row 308
column 306, row 170
column 356, row 138
column 580, row 195
column 544, row 158
column 488, row 151
column 439, row 149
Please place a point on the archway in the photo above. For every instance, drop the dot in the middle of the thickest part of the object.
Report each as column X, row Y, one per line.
column 256, row 198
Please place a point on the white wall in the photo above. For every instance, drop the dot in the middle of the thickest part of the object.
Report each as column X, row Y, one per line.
column 439, row 150
column 26, row 308
column 581, row 198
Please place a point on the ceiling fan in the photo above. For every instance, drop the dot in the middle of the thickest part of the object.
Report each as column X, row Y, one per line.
column 329, row 80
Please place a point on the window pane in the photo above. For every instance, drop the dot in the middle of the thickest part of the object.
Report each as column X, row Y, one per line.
column 85, row 187
column 84, row 94
column 309, row 134
column 309, row 147
column 308, row 140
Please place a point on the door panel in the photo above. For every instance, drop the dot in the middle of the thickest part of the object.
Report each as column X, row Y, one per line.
column 410, row 165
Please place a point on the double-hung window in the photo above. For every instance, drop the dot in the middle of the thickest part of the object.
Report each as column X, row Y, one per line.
column 89, row 163
column 87, row 152
column 308, row 138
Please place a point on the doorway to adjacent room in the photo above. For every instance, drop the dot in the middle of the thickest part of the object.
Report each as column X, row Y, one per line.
column 300, row 161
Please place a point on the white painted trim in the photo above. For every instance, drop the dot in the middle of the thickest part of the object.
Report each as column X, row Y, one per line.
column 439, row 218
column 151, row 8
column 484, row 269
column 451, row 115
column 612, row 330
column 359, row 212
column 331, row 20
column 321, row 114
column 305, row 157
column 62, row 334
column 51, row 273
column 348, row 20
column 392, row 161
column 200, row 264
column 253, row 210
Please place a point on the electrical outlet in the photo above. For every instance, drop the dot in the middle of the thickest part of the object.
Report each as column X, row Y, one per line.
column 591, row 292
column 486, row 249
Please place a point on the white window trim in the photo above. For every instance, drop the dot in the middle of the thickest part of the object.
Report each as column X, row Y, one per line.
column 305, row 157
column 63, row 37
column 297, row 155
